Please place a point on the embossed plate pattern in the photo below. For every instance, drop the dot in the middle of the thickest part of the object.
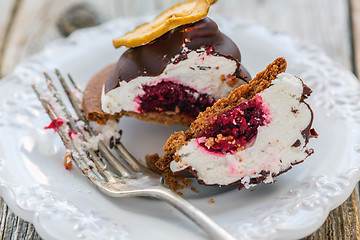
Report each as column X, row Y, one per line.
column 63, row 205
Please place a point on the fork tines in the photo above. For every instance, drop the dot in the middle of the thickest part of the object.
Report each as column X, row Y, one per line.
column 79, row 137
column 132, row 179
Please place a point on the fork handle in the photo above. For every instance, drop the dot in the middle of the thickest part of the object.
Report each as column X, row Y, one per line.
column 209, row 226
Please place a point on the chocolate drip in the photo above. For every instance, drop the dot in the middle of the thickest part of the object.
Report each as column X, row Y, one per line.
column 151, row 59
column 306, row 92
column 308, row 132
column 297, row 143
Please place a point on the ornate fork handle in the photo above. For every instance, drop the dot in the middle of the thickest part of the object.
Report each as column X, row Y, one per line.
column 198, row 217
column 209, row 226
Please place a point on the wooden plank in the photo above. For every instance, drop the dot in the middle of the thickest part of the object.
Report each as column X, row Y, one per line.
column 308, row 20
column 355, row 25
column 354, row 22
column 342, row 223
column 7, row 9
column 3, row 214
column 13, row 227
column 294, row 18
column 28, row 37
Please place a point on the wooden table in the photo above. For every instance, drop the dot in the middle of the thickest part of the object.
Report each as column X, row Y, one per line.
column 333, row 25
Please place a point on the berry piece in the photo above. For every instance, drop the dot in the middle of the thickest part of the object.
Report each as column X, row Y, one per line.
column 233, row 130
column 168, row 96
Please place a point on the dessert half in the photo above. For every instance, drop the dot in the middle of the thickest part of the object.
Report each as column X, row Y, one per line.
column 258, row 132
column 169, row 80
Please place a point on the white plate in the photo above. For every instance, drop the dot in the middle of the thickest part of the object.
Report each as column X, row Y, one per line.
column 62, row 204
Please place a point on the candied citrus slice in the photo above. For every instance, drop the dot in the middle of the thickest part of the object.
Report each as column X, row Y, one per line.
column 179, row 14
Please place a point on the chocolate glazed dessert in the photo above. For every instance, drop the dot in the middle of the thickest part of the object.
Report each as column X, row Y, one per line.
column 169, row 80
column 255, row 134
column 172, row 47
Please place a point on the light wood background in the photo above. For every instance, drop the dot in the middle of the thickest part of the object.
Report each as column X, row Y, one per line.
column 332, row 25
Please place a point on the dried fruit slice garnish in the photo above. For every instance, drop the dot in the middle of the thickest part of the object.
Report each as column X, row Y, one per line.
column 179, row 14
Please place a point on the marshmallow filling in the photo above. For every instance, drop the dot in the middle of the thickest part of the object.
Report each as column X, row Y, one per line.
column 197, row 81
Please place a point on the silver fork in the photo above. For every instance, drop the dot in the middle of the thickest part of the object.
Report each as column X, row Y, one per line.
column 131, row 178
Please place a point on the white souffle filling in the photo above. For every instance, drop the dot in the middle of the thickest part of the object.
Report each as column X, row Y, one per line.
column 272, row 150
column 200, row 71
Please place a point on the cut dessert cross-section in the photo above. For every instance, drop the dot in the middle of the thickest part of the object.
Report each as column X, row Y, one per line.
column 252, row 136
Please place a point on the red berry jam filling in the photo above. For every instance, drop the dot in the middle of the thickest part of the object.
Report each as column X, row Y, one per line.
column 168, row 96
column 233, row 130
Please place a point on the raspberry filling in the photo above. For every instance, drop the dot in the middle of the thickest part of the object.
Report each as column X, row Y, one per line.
column 234, row 130
column 168, row 96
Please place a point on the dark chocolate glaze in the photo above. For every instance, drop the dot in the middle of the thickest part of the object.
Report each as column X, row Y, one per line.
column 151, row 59
column 308, row 132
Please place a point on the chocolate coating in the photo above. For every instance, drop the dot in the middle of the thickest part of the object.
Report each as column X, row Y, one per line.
column 151, row 59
